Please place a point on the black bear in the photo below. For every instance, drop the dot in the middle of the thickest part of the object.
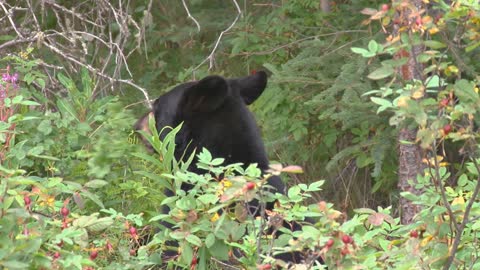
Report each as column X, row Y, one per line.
column 215, row 116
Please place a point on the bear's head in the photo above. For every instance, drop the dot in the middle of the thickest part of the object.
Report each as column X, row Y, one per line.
column 214, row 114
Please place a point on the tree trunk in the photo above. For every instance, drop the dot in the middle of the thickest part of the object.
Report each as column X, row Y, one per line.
column 325, row 5
column 410, row 154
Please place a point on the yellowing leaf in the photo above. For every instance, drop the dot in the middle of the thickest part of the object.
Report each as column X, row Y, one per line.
column 458, row 201
column 431, row 161
column 419, row 93
column 402, row 101
column 426, row 240
column 215, row 217
column 433, row 30
column 368, row 11
column 450, row 70
column 292, row 169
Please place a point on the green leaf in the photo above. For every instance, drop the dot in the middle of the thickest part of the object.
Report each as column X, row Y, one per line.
column 381, row 73
column 187, row 253
column 210, row 240
column 7, row 37
column 409, row 196
column 472, row 47
column 155, row 161
column 362, row 52
column 96, row 183
column 45, row 127
column 93, row 197
column 66, row 108
column 434, row 44
column 219, row 250
column 41, row 82
column 373, row 46
column 382, row 102
column 293, row 192
column 14, row 265
column 86, row 83
column 158, row 217
column 100, row 224
column 17, row 99
column 364, row 211
column 29, row 103
column 7, row 102
column 395, row 62
column 157, row 178
column 194, row 240
column 208, row 199
column 28, row 78
column 465, row 91
column 67, row 82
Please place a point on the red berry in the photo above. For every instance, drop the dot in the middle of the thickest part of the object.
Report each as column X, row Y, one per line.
column 250, row 185
column 418, row 21
column 93, row 254
column 447, row 128
column 330, row 243
column 414, row 234
column 64, row 211
column 253, row 72
column 56, row 255
column 109, row 246
column 27, row 200
column 133, row 231
column 264, row 267
column 444, row 102
column 133, row 252
column 346, row 239
column 385, row 7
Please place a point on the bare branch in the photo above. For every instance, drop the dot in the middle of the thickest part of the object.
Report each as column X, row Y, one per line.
column 9, row 14
column 82, row 36
column 66, row 10
column 212, row 54
column 466, row 216
column 190, row 15
column 99, row 73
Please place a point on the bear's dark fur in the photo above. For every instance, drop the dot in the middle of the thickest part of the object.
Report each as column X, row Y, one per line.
column 215, row 116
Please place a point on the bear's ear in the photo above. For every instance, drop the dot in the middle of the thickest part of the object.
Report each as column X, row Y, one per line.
column 251, row 87
column 206, row 95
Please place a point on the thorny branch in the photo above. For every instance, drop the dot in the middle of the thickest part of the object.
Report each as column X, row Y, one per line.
column 82, row 36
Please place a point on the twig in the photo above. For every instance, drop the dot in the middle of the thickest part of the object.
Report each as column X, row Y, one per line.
column 442, row 190
column 300, row 40
column 190, row 15
column 64, row 9
column 462, row 226
column 99, row 73
column 17, row 41
column 210, row 57
column 229, row 266
column 9, row 14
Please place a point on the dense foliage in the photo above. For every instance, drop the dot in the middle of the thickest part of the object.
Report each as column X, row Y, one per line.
column 78, row 191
